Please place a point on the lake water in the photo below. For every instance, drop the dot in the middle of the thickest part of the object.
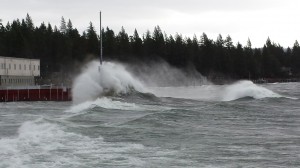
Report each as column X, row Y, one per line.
column 237, row 125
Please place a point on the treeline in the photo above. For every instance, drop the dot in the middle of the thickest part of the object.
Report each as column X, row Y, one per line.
column 63, row 49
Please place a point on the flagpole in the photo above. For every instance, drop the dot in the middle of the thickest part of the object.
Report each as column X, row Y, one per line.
column 101, row 52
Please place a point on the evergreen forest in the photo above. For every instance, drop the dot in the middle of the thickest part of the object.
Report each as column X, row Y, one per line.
column 64, row 49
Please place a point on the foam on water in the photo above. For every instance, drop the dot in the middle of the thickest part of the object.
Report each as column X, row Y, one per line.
column 112, row 78
column 244, row 89
column 104, row 102
column 41, row 144
column 238, row 90
column 91, row 87
column 204, row 92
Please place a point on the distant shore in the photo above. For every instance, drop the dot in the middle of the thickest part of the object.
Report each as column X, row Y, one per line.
column 221, row 81
column 276, row 80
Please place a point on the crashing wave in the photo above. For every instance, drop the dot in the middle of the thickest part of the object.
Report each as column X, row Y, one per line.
column 247, row 89
column 111, row 79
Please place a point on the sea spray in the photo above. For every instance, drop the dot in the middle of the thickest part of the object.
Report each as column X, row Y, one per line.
column 162, row 74
column 114, row 79
column 111, row 78
column 43, row 144
column 104, row 102
column 238, row 90
column 242, row 89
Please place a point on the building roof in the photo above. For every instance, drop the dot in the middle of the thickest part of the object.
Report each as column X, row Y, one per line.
column 19, row 58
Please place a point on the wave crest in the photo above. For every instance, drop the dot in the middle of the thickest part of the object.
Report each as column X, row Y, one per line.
column 103, row 102
column 243, row 89
column 112, row 79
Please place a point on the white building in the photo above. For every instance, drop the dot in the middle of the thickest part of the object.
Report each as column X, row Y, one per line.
column 18, row 71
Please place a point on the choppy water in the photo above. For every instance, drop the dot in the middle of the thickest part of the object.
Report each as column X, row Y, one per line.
column 239, row 125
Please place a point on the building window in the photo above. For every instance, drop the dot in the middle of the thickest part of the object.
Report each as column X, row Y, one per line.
column 38, row 67
column 20, row 66
column 24, row 66
column 15, row 66
column 9, row 66
column 29, row 67
column 4, row 65
column 34, row 67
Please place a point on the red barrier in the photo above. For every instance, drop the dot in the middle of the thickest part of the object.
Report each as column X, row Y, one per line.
column 54, row 94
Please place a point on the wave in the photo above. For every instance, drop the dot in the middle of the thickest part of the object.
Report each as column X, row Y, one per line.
column 108, row 80
column 247, row 89
column 235, row 91
column 103, row 102
column 113, row 80
column 41, row 144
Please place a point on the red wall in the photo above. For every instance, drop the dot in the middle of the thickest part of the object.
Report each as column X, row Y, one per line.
column 35, row 95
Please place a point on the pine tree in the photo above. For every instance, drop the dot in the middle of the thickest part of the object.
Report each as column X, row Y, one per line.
column 228, row 42
column 92, row 40
column 137, row 44
column 148, row 45
column 109, row 43
column 249, row 44
column 204, row 40
column 220, row 41
column 63, row 27
column 2, row 39
column 250, row 61
column 29, row 22
column 55, row 29
column 296, row 59
column 123, row 44
column 69, row 27
column 207, row 50
column 158, row 42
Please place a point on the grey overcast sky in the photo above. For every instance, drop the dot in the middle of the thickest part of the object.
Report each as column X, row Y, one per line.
column 241, row 19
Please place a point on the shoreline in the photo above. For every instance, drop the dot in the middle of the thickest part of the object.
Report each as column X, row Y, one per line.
column 275, row 80
column 221, row 81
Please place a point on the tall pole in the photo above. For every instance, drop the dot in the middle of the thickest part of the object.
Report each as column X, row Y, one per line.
column 100, row 41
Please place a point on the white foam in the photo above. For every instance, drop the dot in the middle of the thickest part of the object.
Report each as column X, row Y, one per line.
column 112, row 77
column 41, row 144
column 104, row 102
column 204, row 92
column 243, row 89
column 230, row 92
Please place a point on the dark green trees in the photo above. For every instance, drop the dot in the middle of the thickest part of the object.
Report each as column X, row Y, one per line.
column 136, row 44
column 92, row 40
column 295, row 59
column 158, row 42
column 64, row 49
column 109, row 43
column 122, row 44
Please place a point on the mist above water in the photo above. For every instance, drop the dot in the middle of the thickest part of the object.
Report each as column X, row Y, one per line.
column 160, row 79
column 242, row 89
column 161, row 74
column 235, row 91
column 110, row 79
